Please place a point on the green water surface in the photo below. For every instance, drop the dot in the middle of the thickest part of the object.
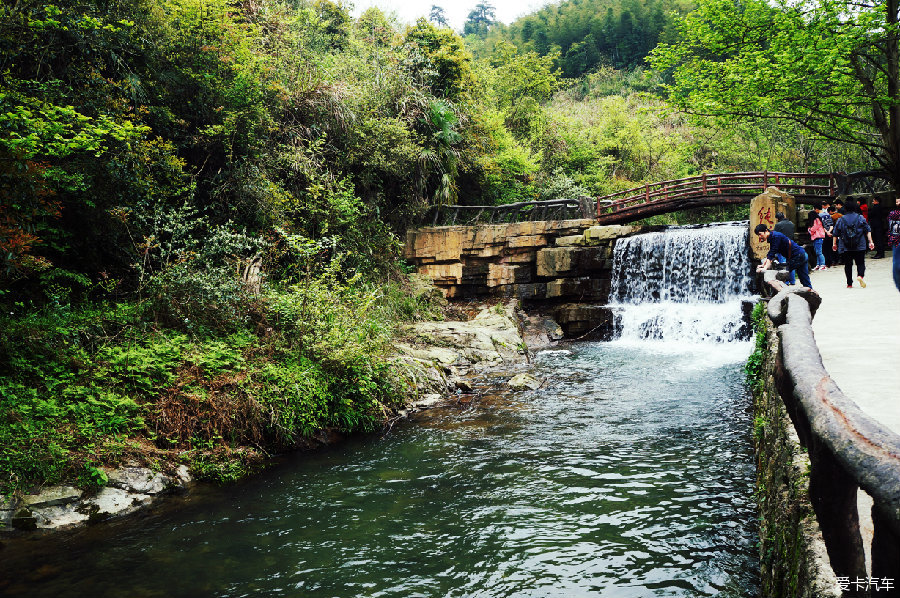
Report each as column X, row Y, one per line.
column 628, row 474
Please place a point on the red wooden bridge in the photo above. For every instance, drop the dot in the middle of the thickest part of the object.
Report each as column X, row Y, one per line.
column 722, row 189
column 669, row 196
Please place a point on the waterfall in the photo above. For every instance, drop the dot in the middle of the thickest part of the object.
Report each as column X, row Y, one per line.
column 684, row 285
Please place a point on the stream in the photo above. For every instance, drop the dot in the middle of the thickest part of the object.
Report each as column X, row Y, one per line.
column 629, row 473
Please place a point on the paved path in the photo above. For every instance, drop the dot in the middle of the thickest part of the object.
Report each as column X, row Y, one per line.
column 858, row 334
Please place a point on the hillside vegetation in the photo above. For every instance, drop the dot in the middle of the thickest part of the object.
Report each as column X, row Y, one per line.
column 203, row 202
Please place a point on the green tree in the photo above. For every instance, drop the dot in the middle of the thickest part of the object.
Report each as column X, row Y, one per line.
column 829, row 66
column 522, row 74
column 480, row 19
column 438, row 16
column 439, row 59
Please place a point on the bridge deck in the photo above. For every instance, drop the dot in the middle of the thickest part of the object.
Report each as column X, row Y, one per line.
column 858, row 334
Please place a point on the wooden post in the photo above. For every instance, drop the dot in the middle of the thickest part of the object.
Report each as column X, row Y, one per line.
column 831, row 185
column 885, row 548
column 647, row 193
column 704, row 183
column 765, row 180
column 832, row 492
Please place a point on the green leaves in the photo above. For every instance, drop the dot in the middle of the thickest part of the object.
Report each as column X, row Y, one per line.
column 826, row 66
column 36, row 129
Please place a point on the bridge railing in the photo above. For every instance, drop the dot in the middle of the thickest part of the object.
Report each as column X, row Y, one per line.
column 554, row 209
column 666, row 196
column 802, row 185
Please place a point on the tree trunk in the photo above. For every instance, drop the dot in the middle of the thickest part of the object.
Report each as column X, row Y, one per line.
column 892, row 54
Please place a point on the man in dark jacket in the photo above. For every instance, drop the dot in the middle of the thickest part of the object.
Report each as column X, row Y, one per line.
column 779, row 244
column 828, row 223
column 786, row 228
column 850, row 235
column 783, row 225
column 878, row 221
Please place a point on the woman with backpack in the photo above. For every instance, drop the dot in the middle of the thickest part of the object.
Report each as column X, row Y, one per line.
column 850, row 235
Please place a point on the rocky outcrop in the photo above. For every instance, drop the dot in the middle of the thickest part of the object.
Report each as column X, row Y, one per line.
column 440, row 354
column 443, row 357
column 524, row 381
column 59, row 507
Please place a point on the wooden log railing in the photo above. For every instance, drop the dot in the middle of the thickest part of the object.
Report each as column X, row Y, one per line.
column 848, row 450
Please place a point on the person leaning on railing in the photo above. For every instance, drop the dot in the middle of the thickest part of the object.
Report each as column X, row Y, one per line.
column 797, row 259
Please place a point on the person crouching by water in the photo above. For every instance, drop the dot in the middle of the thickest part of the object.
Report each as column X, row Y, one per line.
column 797, row 259
column 786, row 228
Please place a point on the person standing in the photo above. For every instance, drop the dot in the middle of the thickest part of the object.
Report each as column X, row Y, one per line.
column 850, row 235
column 839, row 208
column 864, row 209
column 894, row 240
column 828, row 225
column 786, row 228
column 878, row 215
column 817, row 233
column 779, row 244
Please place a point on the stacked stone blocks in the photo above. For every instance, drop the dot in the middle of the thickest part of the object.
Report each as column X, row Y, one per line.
column 554, row 259
column 565, row 265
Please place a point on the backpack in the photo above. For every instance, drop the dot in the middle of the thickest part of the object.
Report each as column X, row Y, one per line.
column 852, row 232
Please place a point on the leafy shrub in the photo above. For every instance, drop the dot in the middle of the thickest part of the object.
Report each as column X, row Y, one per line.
column 189, row 298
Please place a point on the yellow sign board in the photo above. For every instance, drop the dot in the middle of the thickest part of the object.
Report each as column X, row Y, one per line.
column 762, row 211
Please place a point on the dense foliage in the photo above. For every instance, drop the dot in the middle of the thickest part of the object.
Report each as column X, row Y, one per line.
column 203, row 200
column 196, row 195
column 591, row 33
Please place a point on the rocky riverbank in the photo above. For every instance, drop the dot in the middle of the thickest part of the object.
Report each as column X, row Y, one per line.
column 441, row 358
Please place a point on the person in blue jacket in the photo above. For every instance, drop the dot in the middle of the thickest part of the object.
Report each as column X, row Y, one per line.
column 797, row 259
column 851, row 239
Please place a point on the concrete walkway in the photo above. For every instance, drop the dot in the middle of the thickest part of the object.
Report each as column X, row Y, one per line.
column 858, row 334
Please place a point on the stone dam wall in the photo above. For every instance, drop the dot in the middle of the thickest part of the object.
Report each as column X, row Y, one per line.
column 559, row 267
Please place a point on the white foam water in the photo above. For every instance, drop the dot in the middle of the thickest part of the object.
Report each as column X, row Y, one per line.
column 683, row 288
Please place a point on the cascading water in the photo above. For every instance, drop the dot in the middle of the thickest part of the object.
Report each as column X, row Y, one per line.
column 685, row 285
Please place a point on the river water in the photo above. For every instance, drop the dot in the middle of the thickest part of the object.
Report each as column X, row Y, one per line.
column 628, row 474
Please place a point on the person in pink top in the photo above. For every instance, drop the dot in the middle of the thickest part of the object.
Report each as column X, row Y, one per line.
column 817, row 234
